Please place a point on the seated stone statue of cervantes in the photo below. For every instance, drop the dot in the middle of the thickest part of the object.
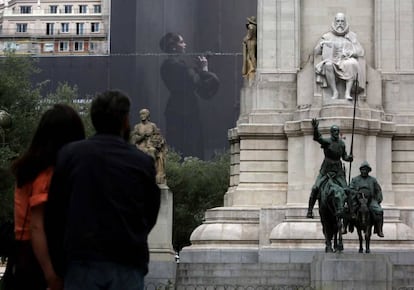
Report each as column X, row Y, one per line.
column 342, row 59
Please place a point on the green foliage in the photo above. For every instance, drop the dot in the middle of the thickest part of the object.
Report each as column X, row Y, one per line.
column 19, row 98
column 197, row 185
column 23, row 101
column 66, row 94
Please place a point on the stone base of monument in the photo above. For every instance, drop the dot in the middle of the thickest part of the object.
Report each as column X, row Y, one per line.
column 298, row 232
column 286, row 227
column 162, row 266
column 293, row 269
column 277, row 246
column 351, row 271
column 160, row 274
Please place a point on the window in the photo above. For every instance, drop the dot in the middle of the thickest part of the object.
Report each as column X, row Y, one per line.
column 48, row 47
column 21, row 27
column 93, row 46
column 64, row 46
column 78, row 46
column 53, row 9
column 95, row 27
column 50, row 28
column 83, row 8
column 11, row 46
column 64, row 27
column 79, row 28
column 96, row 8
column 25, row 9
column 68, row 9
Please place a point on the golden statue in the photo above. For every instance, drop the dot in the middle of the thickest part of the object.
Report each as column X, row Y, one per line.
column 250, row 49
column 147, row 137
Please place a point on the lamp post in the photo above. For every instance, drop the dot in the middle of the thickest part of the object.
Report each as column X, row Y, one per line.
column 5, row 123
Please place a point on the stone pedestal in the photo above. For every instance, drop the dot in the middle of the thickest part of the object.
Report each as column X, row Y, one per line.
column 351, row 271
column 162, row 266
column 270, row 268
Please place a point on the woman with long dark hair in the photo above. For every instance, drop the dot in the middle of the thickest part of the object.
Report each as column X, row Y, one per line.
column 187, row 83
column 33, row 171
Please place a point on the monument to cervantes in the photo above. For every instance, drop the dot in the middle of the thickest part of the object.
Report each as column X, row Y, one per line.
column 306, row 62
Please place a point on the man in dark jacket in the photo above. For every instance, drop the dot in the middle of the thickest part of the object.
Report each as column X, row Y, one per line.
column 103, row 202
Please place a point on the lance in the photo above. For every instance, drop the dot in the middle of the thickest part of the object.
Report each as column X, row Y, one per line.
column 356, row 85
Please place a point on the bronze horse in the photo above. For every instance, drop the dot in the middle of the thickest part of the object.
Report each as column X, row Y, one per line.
column 364, row 222
column 331, row 207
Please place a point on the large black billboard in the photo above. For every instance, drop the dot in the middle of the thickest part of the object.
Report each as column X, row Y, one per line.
column 193, row 108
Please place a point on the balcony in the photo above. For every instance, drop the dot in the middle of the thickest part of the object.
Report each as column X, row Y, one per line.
column 47, row 12
column 11, row 31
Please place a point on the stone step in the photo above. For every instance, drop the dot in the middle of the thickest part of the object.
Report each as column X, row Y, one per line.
column 293, row 268
column 242, row 274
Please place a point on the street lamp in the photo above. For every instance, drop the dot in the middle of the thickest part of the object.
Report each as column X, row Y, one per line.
column 5, row 123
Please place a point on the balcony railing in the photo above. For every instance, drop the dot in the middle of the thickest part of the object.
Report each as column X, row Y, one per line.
column 11, row 32
column 48, row 12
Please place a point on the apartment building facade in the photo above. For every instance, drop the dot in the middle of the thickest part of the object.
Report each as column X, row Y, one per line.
column 55, row 27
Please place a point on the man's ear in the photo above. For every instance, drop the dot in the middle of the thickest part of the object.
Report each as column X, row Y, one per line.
column 125, row 122
column 126, row 129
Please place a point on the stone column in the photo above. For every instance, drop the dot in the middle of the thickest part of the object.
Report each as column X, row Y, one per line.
column 278, row 61
column 394, row 53
column 162, row 266
column 266, row 105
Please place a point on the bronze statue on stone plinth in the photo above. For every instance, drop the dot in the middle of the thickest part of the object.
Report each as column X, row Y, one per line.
column 147, row 137
column 364, row 200
column 330, row 185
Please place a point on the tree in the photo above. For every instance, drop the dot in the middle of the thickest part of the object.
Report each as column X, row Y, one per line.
column 197, row 185
column 20, row 98
column 69, row 95
column 23, row 101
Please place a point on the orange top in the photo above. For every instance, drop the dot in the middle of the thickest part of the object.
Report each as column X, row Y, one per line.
column 29, row 195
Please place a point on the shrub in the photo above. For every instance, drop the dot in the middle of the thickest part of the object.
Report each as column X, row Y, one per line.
column 197, row 185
